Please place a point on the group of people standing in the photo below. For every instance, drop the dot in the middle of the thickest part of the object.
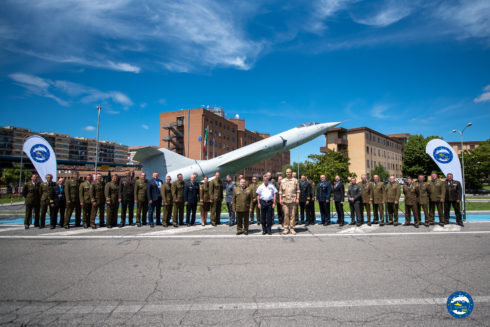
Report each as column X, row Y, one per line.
column 244, row 201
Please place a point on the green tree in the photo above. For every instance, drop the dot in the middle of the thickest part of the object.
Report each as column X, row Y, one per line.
column 294, row 167
column 477, row 165
column 415, row 160
column 381, row 172
column 10, row 176
column 329, row 164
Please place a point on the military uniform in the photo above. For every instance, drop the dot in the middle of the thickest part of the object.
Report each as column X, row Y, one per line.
column 423, row 202
column 84, row 195
column 178, row 197
column 111, row 193
column 324, row 191
column 411, row 194
column 57, row 202
column 280, row 213
column 354, row 191
column 367, row 199
column 453, row 195
column 216, row 195
column 97, row 197
column 289, row 191
column 304, row 196
column 255, row 206
column 31, row 193
column 126, row 195
column 392, row 200
column 72, row 188
column 242, row 201
column 45, row 189
column 378, row 202
column 437, row 192
column 310, row 217
column 191, row 196
column 229, row 188
column 141, row 201
column 204, row 198
column 167, row 198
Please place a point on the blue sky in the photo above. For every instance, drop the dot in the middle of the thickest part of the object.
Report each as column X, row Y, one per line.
column 421, row 67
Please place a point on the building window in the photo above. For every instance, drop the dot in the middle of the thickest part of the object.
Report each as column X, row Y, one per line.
column 367, row 150
column 367, row 163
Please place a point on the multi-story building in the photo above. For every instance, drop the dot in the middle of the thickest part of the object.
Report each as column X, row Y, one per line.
column 184, row 131
column 367, row 148
column 467, row 145
column 68, row 150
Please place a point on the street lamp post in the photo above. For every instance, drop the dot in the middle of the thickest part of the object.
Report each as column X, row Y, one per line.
column 97, row 146
column 462, row 165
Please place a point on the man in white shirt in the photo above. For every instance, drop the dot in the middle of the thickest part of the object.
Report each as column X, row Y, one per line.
column 267, row 202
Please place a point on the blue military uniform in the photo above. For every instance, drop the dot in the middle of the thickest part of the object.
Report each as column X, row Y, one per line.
column 191, row 196
column 323, row 193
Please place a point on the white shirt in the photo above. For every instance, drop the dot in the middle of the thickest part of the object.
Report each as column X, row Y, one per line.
column 266, row 193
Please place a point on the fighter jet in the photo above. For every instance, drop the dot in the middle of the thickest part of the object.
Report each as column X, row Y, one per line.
column 169, row 163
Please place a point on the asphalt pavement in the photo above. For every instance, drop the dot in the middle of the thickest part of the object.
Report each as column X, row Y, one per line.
column 191, row 276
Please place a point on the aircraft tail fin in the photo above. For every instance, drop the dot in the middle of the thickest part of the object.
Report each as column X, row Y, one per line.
column 160, row 160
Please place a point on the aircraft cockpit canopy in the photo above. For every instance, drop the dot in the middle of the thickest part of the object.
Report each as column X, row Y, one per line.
column 307, row 124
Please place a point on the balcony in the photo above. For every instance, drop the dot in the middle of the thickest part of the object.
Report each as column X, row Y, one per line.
column 340, row 141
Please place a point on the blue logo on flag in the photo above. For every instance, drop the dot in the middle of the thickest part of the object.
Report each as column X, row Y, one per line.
column 460, row 304
column 40, row 153
column 443, row 155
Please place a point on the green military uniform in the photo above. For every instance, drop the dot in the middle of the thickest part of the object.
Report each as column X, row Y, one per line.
column 392, row 199
column 241, row 203
column 141, row 201
column 72, row 201
column 367, row 199
column 178, row 195
column 423, row 202
column 378, row 202
column 437, row 193
column 411, row 194
column 111, row 193
column 97, row 197
column 166, row 191
column 255, row 207
column 204, row 198
column 280, row 212
column 45, row 189
column 84, row 195
column 31, row 193
column 216, row 195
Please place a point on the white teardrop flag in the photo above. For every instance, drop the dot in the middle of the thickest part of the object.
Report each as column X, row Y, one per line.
column 445, row 157
column 42, row 156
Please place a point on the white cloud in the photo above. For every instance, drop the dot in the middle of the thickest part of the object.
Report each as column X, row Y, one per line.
column 162, row 101
column 466, row 18
column 379, row 110
column 143, row 105
column 390, row 12
column 183, row 34
column 47, row 88
column 324, row 9
column 485, row 96
column 89, row 128
column 145, row 127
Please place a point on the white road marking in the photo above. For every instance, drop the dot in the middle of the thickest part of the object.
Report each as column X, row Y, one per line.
column 142, row 307
column 179, row 230
column 231, row 236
